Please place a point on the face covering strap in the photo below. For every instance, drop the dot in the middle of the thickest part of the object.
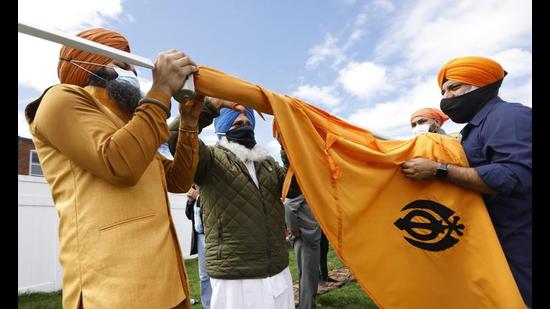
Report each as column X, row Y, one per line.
column 73, row 62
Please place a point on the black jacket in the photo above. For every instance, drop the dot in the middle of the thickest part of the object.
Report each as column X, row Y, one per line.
column 190, row 214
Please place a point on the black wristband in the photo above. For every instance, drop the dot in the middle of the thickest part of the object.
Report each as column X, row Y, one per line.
column 442, row 171
column 156, row 102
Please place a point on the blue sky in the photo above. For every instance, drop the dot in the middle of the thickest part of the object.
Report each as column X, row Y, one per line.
column 371, row 63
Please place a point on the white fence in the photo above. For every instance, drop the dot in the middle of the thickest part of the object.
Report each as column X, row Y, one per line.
column 37, row 242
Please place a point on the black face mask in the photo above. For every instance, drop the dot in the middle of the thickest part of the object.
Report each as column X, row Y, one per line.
column 463, row 108
column 243, row 135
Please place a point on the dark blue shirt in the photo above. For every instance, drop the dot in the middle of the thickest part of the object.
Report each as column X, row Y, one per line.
column 497, row 142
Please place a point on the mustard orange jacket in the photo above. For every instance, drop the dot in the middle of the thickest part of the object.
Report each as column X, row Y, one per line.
column 118, row 244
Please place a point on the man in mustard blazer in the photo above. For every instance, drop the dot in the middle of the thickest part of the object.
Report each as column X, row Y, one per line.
column 97, row 140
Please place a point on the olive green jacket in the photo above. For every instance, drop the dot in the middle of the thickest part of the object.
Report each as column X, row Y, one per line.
column 244, row 223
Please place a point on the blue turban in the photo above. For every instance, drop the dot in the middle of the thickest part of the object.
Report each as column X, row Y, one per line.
column 225, row 120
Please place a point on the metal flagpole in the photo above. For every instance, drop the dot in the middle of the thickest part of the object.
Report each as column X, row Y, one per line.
column 185, row 93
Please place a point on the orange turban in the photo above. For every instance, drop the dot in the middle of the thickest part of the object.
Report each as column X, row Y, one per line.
column 477, row 71
column 432, row 113
column 70, row 73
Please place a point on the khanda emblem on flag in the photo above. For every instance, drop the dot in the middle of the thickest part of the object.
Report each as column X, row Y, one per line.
column 426, row 231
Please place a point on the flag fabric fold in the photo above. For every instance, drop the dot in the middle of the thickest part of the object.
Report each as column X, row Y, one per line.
column 410, row 244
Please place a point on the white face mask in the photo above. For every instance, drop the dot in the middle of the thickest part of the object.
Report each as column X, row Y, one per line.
column 127, row 77
column 421, row 129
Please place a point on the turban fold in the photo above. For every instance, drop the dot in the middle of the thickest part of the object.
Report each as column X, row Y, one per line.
column 432, row 113
column 70, row 73
column 472, row 70
column 225, row 120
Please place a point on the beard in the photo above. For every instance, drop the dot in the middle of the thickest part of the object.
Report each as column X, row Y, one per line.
column 434, row 127
column 124, row 94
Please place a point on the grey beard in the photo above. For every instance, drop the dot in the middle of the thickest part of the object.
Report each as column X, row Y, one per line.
column 124, row 94
column 433, row 128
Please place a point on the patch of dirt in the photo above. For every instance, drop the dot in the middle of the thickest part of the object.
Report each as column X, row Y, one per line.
column 339, row 276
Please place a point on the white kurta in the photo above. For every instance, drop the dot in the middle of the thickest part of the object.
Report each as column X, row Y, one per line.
column 267, row 293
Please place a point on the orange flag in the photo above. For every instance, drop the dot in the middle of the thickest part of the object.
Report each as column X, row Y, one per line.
column 409, row 244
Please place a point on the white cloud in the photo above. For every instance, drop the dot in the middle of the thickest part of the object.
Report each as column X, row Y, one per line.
column 518, row 84
column 429, row 33
column 208, row 136
column 522, row 93
column 325, row 51
column 318, row 95
column 130, row 18
column 22, row 125
column 37, row 59
column 332, row 48
column 360, row 19
column 517, row 62
column 38, row 70
column 391, row 119
column 145, row 84
column 68, row 15
column 364, row 80
column 336, row 47
column 274, row 149
column 422, row 36
column 336, row 110
column 356, row 35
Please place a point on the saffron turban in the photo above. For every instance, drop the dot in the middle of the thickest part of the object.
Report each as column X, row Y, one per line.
column 69, row 73
column 225, row 120
column 472, row 70
column 432, row 113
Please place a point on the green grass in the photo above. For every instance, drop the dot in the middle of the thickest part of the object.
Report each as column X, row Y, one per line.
column 349, row 296
column 40, row 300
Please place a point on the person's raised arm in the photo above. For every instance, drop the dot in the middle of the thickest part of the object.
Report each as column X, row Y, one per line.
column 180, row 171
column 69, row 119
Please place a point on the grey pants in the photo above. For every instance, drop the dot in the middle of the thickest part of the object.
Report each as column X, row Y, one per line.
column 307, row 257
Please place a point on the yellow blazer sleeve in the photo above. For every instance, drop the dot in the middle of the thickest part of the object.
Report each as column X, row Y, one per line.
column 180, row 171
column 69, row 119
